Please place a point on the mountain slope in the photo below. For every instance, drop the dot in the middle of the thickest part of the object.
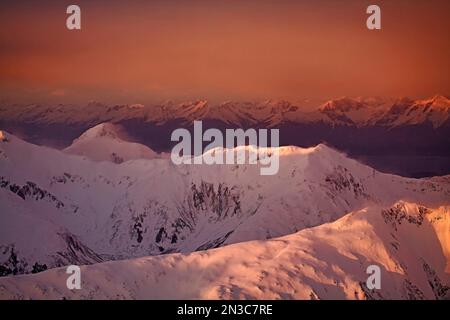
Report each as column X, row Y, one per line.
column 352, row 112
column 31, row 242
column 434, row 111
column 148, row 207
column 108, row 142
column 408, row 242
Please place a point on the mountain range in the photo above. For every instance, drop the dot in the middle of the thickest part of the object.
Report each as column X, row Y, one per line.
column 342, row 111
column 401, row 136
column 146, row 228
column 408, row 242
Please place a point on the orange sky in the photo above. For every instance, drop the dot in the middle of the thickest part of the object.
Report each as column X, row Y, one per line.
column 138, row 51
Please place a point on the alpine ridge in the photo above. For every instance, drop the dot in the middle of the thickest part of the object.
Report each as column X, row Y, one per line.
column 407, row 241
column 89, row 211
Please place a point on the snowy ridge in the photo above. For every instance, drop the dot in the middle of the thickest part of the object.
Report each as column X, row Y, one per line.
column 341, row 111
column 108, row 142
column 435, row 111
column 109, row 130
column 348, row 111
column 407, row 241
column 148, row 207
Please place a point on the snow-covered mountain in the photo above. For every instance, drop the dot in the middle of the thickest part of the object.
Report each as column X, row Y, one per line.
column 352, row 112
column 407, row 137
column 435, row 111
column 83, row 211
column 269, row 113
column 408, row 242
column 109, row 142
column 341, row 111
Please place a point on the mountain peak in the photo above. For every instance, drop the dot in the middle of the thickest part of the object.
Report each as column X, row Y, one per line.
column 109, row 142
column 197, row 104
column 106, row 129
column 438, row 101
column 136, row 106
column 342, row 104
column 3, row 136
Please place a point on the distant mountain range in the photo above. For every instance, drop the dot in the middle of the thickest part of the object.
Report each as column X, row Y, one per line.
column 369, row 129
column 343, row 111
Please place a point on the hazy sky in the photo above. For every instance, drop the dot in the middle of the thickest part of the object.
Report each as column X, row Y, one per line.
column 137, row 51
